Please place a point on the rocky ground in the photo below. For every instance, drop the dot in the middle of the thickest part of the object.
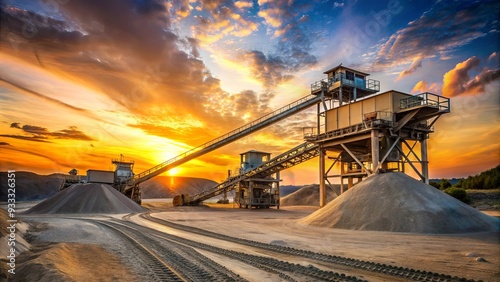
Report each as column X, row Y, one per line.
column 64, row 246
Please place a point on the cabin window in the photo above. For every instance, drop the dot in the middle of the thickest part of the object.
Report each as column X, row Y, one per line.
column 349, row 75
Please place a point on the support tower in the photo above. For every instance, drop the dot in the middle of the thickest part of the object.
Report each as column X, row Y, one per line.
column 367, row 133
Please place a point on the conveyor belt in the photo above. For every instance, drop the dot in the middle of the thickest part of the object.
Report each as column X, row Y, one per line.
column 295, row 156
column 227, row 138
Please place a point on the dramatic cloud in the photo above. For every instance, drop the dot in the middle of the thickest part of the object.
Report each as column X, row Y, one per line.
column 4, row 143
column 42, row 134
column 458, row 82
column 445, row 27
column 243, row 4
column 181, row 8
column 144, row 67
column 223, row 19
column 27, row 138
column 417, row 63
column 293, row 52
column 278, row 13
column 495, row 57
column 423, row 86
column 269, row 70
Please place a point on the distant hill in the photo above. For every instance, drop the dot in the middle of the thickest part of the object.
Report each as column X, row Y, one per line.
column 488, row 179
column 30, row 186
column 168, row 186
column 453, row 181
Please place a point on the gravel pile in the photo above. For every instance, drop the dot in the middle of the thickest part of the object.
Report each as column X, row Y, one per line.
column 307, row 196
column 87, row 198
column 398, row 203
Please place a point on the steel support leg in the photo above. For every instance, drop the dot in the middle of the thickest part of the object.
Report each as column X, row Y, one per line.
column 375, row 150
column 425, row 161
column 322, row 184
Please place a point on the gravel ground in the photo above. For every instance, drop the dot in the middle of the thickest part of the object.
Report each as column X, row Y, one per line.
column 77, row 230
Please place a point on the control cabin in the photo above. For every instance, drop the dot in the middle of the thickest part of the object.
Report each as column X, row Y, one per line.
column 123, row 170
column 345, row 84
column 256, row 192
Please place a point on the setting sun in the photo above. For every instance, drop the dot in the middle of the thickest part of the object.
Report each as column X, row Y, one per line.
column 174, row 171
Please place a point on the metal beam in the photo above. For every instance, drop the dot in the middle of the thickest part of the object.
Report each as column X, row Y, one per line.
column 330, row 168
column 322, row 190
column 425, row 162
column 411, row 150
column 355, row 159
column 410, row 163
column 375, row 149
column 389, row 151
column 348, row 140
column 405, row 120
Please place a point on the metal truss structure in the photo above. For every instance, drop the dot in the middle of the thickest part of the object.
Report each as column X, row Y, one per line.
column 380, row 144
column 295, row 156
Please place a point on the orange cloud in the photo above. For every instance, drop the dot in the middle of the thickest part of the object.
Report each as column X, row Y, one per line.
column 223, row 19
column 445, row 27
column 417, row 63
column 243, row 4
column 458, row 82
column 423, row 86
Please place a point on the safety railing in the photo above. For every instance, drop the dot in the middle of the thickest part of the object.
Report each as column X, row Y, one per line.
column 365, row 84
column 426, row 99
column 319, row 85
column 349, row 130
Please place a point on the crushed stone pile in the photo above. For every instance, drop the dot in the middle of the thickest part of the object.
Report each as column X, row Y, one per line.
column 396, row 202
column 87, row 198
column 307, row 196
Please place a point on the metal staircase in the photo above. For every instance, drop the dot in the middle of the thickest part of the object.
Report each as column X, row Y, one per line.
column 295, row 156
column 227, row 138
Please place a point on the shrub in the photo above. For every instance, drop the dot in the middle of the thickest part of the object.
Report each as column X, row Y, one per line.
column 457, row 193
column 445, row 184
column 435, row 184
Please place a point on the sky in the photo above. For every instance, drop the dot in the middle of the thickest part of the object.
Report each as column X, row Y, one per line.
column 83, row 81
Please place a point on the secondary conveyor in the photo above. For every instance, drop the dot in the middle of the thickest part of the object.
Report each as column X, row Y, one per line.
column 273, row 117
column 295, row 156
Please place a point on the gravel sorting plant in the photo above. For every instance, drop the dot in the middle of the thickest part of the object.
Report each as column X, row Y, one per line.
column 398, row 203
column 87, row 198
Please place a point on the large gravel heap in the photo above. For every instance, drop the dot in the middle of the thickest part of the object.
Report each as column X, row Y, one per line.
column 307, row 196
column 87, row 198
column 398, row 203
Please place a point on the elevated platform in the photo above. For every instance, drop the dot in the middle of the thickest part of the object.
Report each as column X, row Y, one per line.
column 409, row 117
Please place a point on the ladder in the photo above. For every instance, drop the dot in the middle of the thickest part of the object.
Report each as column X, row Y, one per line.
column 227, row 138
column 295, row 156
